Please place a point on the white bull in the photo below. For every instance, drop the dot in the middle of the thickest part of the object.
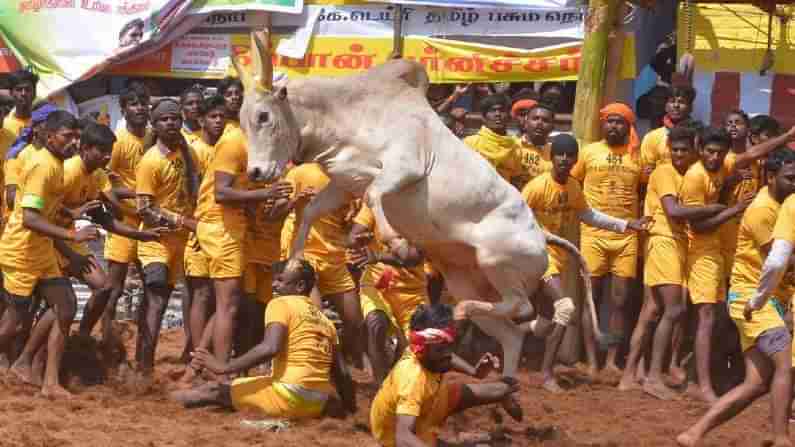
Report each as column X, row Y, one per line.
column 376, row 136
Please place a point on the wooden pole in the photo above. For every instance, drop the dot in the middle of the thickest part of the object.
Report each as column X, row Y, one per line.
column 397, row 34
column 599, row 22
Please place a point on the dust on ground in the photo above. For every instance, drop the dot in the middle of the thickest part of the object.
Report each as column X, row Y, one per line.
column 117, row 412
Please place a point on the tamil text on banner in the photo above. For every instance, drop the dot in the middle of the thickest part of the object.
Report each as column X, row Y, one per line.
column 734, row 37
column 490, row 3
column 68, row 40
column 446, row 61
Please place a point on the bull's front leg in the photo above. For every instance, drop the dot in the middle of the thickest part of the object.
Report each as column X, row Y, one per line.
column 331, row 198
column 397, row 175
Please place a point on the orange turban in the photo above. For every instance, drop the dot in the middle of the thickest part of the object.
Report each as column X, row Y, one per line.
column 522, row 104
column 625, row 112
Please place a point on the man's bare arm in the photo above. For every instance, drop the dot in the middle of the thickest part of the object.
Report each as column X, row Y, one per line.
column 675, row 210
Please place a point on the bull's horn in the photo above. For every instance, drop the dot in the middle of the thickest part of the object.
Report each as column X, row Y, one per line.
column 242, row 72
column 262, row 65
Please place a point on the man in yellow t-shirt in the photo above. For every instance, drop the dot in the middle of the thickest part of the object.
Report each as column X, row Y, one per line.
column 28, row 259
column 196, row 303
column 415, row 400
column 30, row 141
column 493, row 142
column 325, row 250
column 701, row 187
column 221, row 232
column 557, row 199
column 128, row 149
column 534, row 144
column 392, row 286
column 307, row 367
column 192, row 102
column 610, row 172
column 665, row 272
column 232, row 91
column 22, row 86
column 744, row 171
column 759, row 299
column 85, row 188
column 655, row 151
column 166, row 186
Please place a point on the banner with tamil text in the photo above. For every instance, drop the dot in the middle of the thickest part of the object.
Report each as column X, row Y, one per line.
column 68, row 40
column 446, row 61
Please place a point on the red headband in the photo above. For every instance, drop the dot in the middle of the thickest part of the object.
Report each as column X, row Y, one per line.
column 418, row 340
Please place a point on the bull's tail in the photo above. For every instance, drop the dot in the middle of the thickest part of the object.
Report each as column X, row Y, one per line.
column 584, row 273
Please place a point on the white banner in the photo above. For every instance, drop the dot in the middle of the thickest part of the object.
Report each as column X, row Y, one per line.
column 490, row 3
column 201, row 53
column 377, row 20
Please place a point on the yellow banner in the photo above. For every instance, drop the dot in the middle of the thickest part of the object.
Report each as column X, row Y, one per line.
column 446, row 61
column 733, row 37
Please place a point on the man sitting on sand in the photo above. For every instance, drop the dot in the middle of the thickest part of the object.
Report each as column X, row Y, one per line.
column 306, row 358
column 414, row 400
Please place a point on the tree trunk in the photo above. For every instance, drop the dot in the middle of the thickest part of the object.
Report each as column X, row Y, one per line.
column 593, row 68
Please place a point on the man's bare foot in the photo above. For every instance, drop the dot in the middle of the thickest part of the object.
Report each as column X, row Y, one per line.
column 24, row 373
column 782, row 442
column 688, row 440
column 202, row 395
column 53, row 392
column 552, row 386
column 593, row 373
column 695, row 392
column 628, row 384
column 678, row 376
column 4, row 363
column 658, row 389
column 612, row 370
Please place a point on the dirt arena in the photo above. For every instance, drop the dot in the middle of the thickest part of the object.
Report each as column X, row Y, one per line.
column 121, row 413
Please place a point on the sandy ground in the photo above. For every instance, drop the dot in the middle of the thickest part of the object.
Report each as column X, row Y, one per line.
column 119, row 413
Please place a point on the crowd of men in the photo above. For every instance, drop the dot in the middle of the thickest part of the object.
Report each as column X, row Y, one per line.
column 704, row 213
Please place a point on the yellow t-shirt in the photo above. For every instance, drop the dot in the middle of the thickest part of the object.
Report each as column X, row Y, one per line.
column 162, row 176
column 230, row 157
column 308, row 356
column 730, row 228
column 699, row 188
column 409, row 390
column 327, row 236
column 756, row 231
column 127, row 153
column 407, row 278
column 16, row 166
column 79, row 186
column 610, row 178
column 785, row 222
column 6, row 140
column 535, row 161
column 15, row 125
column 263, row 240
column 231, row 126
column 500, row 150
column 191, row 136
column 41, row 188
column 664, row 181
column 554, row 205
column 654, row 150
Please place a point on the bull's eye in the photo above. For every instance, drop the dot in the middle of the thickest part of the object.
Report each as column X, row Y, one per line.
column 263, row 117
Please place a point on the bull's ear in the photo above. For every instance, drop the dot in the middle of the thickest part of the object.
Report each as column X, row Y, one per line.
column 281, row 93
